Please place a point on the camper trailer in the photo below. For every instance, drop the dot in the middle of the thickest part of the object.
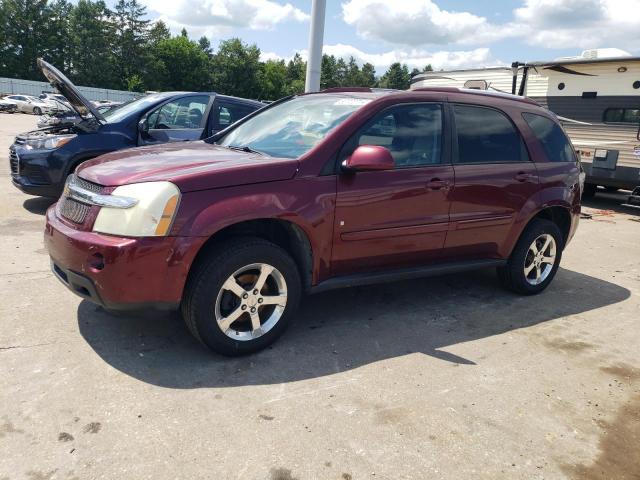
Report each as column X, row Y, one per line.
column 596, row 95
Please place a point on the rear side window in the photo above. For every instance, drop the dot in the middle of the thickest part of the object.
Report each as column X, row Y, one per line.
column 555, row 143
column 487, row 136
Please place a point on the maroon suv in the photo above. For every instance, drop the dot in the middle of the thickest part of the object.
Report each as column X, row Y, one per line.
column 339, row 188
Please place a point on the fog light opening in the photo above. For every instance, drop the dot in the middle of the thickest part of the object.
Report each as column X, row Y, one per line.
column 96, row 262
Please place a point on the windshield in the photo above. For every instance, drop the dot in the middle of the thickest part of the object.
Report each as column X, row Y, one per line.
column 294, row 127
column 115, row 115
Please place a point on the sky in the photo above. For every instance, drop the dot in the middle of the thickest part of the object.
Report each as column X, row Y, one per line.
column 448, row 34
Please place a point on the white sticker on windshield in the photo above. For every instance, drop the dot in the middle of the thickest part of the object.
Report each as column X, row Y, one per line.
column 352, row 101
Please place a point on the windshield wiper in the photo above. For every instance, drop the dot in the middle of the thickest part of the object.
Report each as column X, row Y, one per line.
column 244, row 149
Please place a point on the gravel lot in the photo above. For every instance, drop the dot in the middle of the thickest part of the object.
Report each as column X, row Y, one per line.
column 446, row 377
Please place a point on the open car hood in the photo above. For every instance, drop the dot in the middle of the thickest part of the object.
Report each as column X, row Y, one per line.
column 61, row 83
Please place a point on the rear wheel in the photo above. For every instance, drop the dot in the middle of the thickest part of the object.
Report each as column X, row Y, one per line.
column 589, row 190
column 37, row 111
column 240, row 299
column 535, row 259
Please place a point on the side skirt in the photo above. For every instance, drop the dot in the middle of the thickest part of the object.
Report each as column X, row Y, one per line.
column 403, row 274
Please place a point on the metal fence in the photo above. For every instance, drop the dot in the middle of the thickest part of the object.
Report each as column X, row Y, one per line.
column 9, row 86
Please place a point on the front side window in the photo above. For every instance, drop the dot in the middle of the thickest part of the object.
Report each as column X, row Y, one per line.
column 294, row 127
column 554, row 142
column 487, row 136
column 412, row 133
column 183, row 113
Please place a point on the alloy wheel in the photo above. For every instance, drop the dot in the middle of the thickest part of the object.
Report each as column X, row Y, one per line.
column 540, row 259
column 251, row 301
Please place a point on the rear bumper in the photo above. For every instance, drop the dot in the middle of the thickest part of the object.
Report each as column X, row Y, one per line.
column 119, row 273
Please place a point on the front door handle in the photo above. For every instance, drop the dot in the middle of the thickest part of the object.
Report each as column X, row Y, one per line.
column 523, row 176
column 437, row 184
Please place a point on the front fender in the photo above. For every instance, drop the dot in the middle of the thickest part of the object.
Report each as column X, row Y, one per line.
column 307, row 203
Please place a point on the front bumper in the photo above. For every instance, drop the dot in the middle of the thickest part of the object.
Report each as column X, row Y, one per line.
column 120, row 273
column 31, row 171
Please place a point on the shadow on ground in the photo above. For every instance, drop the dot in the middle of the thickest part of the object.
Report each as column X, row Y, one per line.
column 611, row 201
column 38, row 205
column 343, row 329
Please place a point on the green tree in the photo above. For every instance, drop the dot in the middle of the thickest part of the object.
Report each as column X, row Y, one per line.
column 397, row 76
column 368, row 75
column 91, row 37
column 158, row 31
column 235, row 69
column 296, row 74
column 205, row 46
column 31, row 29
column 130, row 39
column 181, row 65
column 273, row 80
column 329, row 72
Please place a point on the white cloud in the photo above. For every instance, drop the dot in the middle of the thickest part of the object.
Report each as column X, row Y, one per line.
column 548, row 23
column 580, row 23
column 416, row 23
column 217, row 17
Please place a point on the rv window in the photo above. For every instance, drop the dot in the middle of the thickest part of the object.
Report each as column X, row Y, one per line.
column 550, row 135
column 487, row 136
column 622, row 115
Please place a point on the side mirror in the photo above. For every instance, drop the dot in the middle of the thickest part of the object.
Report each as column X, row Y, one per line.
column 367, row 158
column 143, row 126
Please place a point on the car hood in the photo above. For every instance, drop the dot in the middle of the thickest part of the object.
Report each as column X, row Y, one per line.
column 191, row 166
column 77, row 101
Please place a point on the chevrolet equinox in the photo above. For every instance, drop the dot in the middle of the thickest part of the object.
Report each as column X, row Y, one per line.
column 318, row 191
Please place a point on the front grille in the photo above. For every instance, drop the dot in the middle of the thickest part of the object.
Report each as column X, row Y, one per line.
column 73, row 210
column 14, row 162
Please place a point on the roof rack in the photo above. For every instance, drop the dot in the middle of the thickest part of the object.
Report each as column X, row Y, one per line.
column 346, row 89
column 473, row 91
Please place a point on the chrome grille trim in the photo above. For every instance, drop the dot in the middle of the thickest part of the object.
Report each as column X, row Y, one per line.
column 73, row 210
column 14, row 163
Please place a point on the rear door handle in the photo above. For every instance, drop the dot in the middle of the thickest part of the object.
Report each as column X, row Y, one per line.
column 437, row 184
column 523, row 176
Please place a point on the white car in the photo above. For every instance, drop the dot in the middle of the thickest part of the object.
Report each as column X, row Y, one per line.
column 55, row 100
column 29, row 104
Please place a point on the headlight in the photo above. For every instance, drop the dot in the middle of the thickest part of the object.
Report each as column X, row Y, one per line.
column 151, row 216
column 48, row 143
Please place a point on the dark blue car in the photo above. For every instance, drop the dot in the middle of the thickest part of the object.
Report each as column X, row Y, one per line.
column 42, row 159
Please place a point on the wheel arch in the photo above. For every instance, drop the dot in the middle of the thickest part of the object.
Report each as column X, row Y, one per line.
column 558, row 213
column 288, row 235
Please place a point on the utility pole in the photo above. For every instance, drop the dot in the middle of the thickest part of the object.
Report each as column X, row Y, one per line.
column 316, row 34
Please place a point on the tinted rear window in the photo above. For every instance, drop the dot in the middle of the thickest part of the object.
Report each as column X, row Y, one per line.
column 487, row 136
column 555, row 143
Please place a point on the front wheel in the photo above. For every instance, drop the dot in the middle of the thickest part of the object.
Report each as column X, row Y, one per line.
column 534, row 260
column 240, row 299
column 37, row 111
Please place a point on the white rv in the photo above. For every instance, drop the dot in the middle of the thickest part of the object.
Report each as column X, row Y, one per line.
column 596, row 95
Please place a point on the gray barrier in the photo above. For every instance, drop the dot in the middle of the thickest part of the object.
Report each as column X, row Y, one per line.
column 16, row 86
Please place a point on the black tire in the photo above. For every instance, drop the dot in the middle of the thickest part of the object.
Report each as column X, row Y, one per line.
column 206, row 281
column 37, row 111
column 512, row 276
column 589, row 190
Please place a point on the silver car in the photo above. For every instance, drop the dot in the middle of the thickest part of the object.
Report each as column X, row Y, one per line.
column 29, row 104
